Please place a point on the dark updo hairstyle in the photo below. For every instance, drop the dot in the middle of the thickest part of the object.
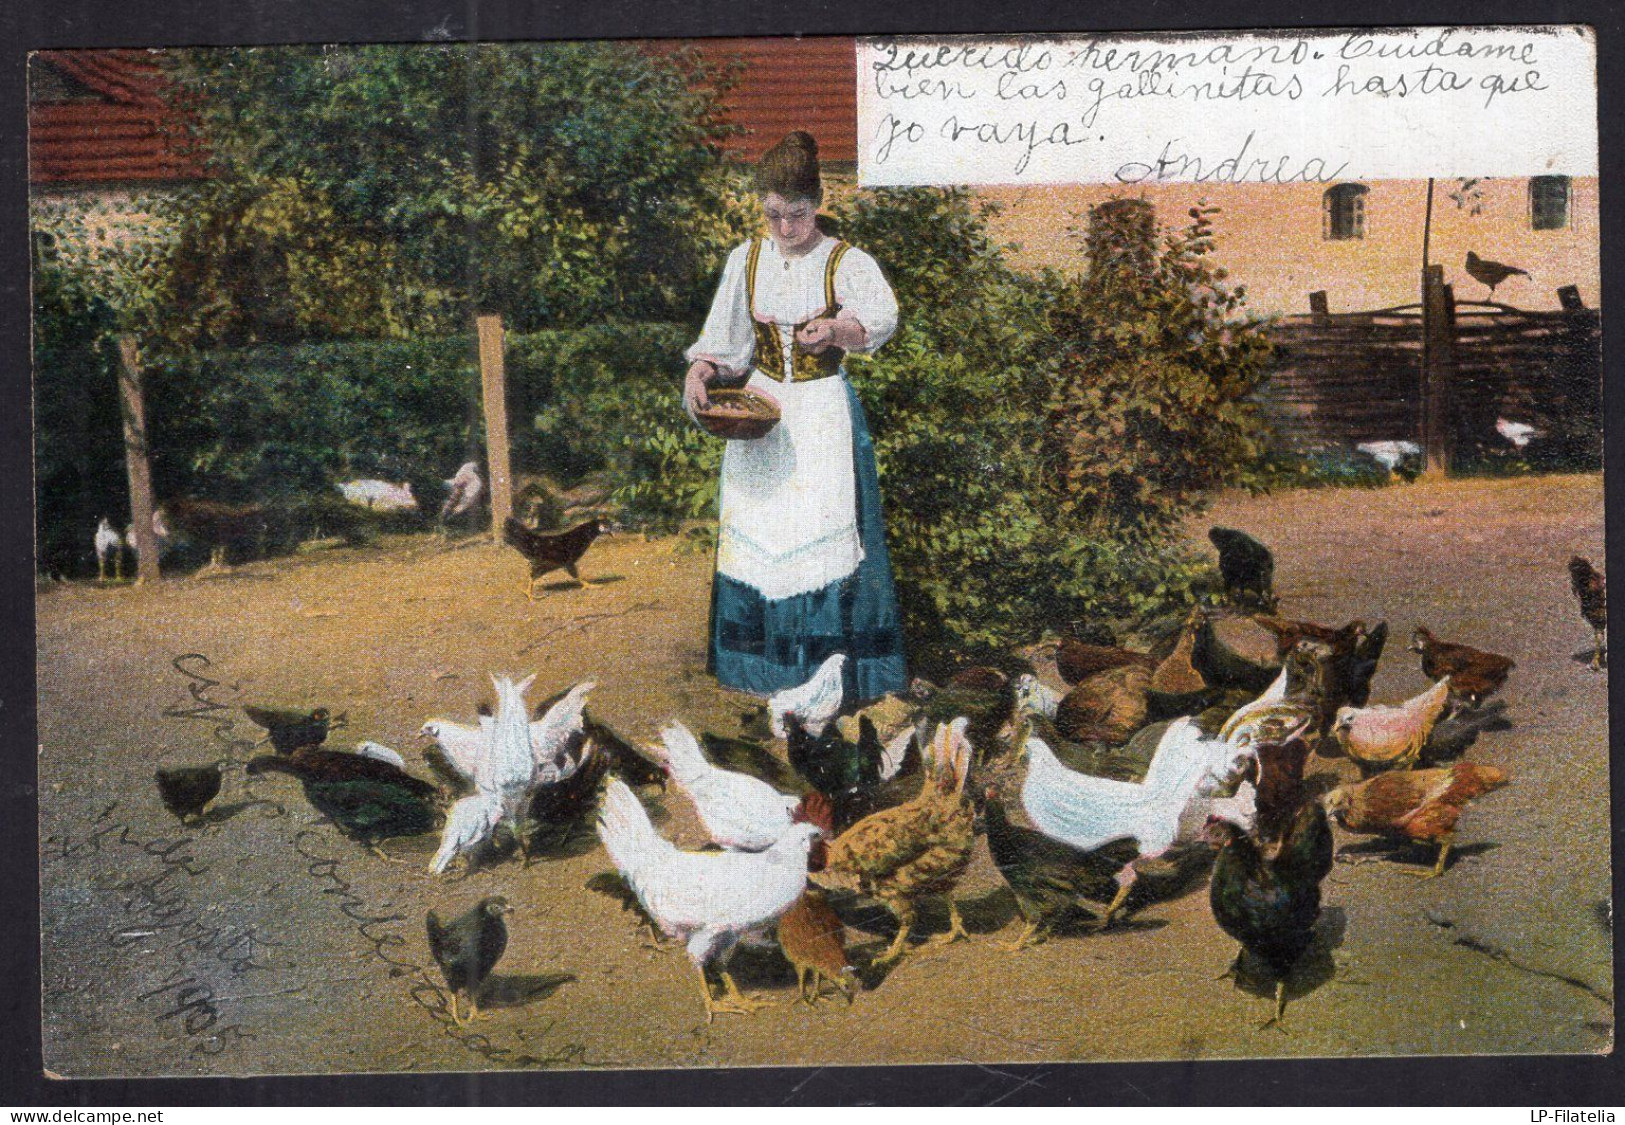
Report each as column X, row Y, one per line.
column 790, row 168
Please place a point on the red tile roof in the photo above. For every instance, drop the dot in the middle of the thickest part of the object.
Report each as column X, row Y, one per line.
column 790, row 84
column 118, row 133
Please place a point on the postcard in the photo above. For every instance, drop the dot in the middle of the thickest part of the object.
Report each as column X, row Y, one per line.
column 820, row 551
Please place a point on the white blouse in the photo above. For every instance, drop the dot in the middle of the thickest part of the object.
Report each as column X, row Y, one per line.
column 791, row 290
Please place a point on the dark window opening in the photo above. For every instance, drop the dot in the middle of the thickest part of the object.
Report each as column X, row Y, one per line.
column 1548, row 202
column 1343, row 212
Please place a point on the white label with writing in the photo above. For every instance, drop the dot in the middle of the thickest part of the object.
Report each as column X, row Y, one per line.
column 1262, row 107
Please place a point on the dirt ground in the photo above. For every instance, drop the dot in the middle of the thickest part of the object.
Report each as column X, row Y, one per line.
column 264, row 942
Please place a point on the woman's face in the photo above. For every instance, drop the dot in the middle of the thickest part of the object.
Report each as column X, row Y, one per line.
column 793, row 223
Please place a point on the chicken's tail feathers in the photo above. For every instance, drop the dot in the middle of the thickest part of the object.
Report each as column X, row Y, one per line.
column 1470, row 780
column 684, row 758
column 626, row 831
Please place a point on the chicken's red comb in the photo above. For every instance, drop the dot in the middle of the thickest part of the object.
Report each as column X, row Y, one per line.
column 816, row 809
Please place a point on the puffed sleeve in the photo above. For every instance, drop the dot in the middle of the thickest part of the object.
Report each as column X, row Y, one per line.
column 728, row 338
column 866, row 296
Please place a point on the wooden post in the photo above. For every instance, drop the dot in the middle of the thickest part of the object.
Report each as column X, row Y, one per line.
column 494, row 387
column 1438, row 368
column 1569, row 298
column 136, row 460
column 1318, row 308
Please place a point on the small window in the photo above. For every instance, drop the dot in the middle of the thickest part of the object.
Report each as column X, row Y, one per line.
column 1548, row 202
column 1343, row 212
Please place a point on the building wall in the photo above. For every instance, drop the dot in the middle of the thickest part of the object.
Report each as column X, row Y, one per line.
column 1270, row 239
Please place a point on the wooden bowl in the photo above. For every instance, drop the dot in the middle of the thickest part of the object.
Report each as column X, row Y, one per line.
column 738, row 414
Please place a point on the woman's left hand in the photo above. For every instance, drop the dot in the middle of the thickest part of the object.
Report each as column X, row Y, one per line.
column 816, row 335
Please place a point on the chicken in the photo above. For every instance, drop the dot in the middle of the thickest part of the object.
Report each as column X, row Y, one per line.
column 739, row 812
column 464, row 490
column 382, row 753
column 1517, row 434
column 289, row 729
column 1591, row 591
column 1419, row 805
column 379, row 495
column 1391, row 738
column 812, row 937
column 856, row 777
column 1046, row 876
column 503, row 772
column 1288, row 633
column 1279, row 793
column 555, row 739
column 1177, row 688
column 1491, row 273
column 547, row 551
column 1271, row 905
column 109, row 544
column 1247, row 567
column 368, row 800
column 1034, row 697
column 890, row 714
column 706, row 900
column 816, row 703
column 746, row 755
column 1107, row 707
column 220, row 526
column 467, row 948
column 1168, row 807
column 922, row 847
column 1233, row 651
column 559, row 808
column 1474, row 674
column 1077, row 660
column 626, row 760
column 187, row 790
column 160, row 535
column 1391, row 455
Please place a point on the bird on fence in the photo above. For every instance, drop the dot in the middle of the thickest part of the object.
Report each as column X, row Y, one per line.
column 1490, row 273
column 466, row 489
column 108, row 543
column 1519, row 434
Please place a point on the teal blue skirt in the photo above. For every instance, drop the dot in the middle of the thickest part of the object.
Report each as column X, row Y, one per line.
column 760, row 646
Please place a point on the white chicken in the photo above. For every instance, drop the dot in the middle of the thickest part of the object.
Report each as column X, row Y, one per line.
column 708, row 901
column 108, row 543
column 380, row 495
column 1519, row 434
column 739, row 812
column 815, row 703
column 160, row 535
column 1170, row 806
column 503, row 772
column 555, row 738
column 466, row 488
column 1390, row 454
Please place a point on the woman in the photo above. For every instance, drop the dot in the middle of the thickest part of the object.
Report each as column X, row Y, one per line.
column 802, row 567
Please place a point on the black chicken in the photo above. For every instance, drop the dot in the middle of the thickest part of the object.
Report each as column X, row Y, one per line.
column 1591, row 591
column 368, row 799
column 1046, row 876
column 224, row 528
column 291, row 729
column 850, row 774
column 467, row 948
column 1490, row 273
column 744, row 755
column 187, row 790
column 1271, row 905
column 1247, row 567
column 547, row 551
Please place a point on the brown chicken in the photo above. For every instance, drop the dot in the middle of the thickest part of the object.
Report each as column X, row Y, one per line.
column 1107, row 707
column 1591, row 591
column 1077, row 661
column 240, row 528
column 813, row 938
column 1280, row 759
column 1288, row 633
column 547, row 551
column 1475, row 675
column 1177, row 688
column 1419, row 805
column 920, row 848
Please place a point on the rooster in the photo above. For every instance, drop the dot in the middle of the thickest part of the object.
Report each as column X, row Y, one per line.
column 1384, row 738
column 109, row 543
column 1167, row 808
column 1420, row 805
column 1490, row 273
column 705, row 900
column 1270, row 905
column 921, row 847
column 815, row 703
column 503, row 772
column 1591, row 591
column 739, row 812
column 547, row 551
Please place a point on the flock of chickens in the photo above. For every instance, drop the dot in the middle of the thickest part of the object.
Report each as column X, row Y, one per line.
column 1137, row 777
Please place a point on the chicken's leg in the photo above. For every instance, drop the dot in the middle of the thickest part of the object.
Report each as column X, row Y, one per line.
column 956, row 927
column 101, row 568
column 1125, row 882
column 1031, row 934
column 570, row 568
column 456, row 1016
column 118, row 565
column 905, row 923
column 1599, row 659
column 1235, row 965
column 1275, row 1021
column 733, row 1002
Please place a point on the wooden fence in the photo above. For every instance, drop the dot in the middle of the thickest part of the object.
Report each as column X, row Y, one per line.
column 1347, row 378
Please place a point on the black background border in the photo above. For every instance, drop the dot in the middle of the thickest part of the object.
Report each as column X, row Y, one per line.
column 34, row 24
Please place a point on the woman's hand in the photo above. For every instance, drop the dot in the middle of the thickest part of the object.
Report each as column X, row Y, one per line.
column 695, row 396
column 832, row 332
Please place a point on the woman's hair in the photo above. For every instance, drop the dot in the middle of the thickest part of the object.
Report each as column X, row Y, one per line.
column 790, row 168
